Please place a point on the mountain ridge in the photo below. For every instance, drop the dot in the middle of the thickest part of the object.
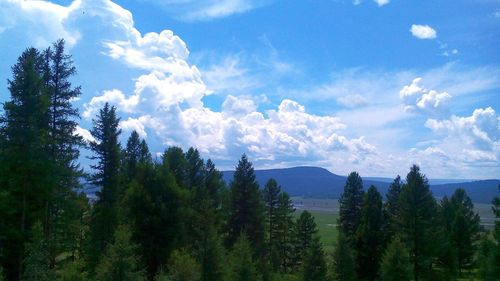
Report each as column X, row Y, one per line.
column 310, row 181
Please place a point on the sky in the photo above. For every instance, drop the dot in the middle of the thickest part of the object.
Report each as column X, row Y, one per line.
column 372, row 86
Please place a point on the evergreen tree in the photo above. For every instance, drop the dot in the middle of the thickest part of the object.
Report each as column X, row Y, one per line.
column 271, row 195
column 107, row 153
column 370, row 236
column 344, row 268
column 153, row 208
column 73, row 271
column 175, row 160
column 464, row 229
column 391, row 208
column 119, row 262
column 37, row 260
column 183, row 267
column 305, row 229
column 242, row 267
column 395, row 265
column 489, row 268
column 351, row 201
column 246, row 213
column 314, row 267
column 25, row 172
column 63, row 146
column 132, row 155
column 285, row 232
column 418, row 222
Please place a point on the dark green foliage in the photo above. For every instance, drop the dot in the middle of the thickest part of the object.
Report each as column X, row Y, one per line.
column 153, row 210
column 37, row 260
column 418, row 222
column 107, row 153
column 464, row 232
column 246, row 214
column 344, row 268
column 183, row 267
column 391, row 208
column 120, row 262
column 132, row 156
column 395, row 265
column 25, row 166
column 242, row 267
column 305, row 229
column 314, row 266
column 351, row 201
column 63, row 147
column 73, row 271
column 175, row 161
column 489, row 268
column 284, row 242
column 370, row 236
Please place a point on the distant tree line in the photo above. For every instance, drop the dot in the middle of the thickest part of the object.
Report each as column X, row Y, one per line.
column 173, row 218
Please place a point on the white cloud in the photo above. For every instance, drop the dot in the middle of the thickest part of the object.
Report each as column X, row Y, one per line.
column 116, row 97
column 381, row 3
column 418, row 99
column 84, row 133
column 481, row 129
column 204, row 10
column 352, row 100
column 133, row 124
column 423, row 31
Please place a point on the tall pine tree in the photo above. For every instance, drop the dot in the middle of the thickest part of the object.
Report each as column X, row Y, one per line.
column 351, row 201
column 418, row 222
column 106, row 150
column 370, row 236
column 246, row 210
column 25, row 173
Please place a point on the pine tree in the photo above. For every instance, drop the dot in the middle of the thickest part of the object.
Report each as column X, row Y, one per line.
column 285, row 232
column 119, row 262
column 351, row 201
column 305, row 229
column 37, row 259
column 246, row 210
column 107, row 153
column 370, row 236
column 344, row 268
column 131, row 156
column 183, row 267
column 314, row 267
column 242, row 267
column 464, row 229
column 395, row 265
column 153, row 208
column 63, row 146
column 271, row 195
column 418, row 222
column 25, row 172
column 175, row 160
column 73, row 271
column 391, row 208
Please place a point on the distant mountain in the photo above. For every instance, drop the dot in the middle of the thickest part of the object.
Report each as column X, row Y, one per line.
column 321, row 183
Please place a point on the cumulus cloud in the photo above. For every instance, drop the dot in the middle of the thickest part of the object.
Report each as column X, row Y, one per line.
column 481, row 129
column 418, row 99
column 423, row 31
column 84, row 133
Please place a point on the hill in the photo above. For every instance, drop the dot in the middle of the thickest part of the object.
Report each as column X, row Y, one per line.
column 320, row 183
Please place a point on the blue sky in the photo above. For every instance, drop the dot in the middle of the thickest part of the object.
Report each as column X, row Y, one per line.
column 371, row 86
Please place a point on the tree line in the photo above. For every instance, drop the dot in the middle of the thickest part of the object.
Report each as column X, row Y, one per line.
column 173, row 217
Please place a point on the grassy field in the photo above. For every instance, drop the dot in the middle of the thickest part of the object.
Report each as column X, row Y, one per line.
column 325, row 212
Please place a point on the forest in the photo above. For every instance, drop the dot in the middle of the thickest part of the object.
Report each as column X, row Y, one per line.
column 173, row 217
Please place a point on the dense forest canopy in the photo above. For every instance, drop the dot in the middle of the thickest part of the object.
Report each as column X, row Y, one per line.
column 174, row 218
